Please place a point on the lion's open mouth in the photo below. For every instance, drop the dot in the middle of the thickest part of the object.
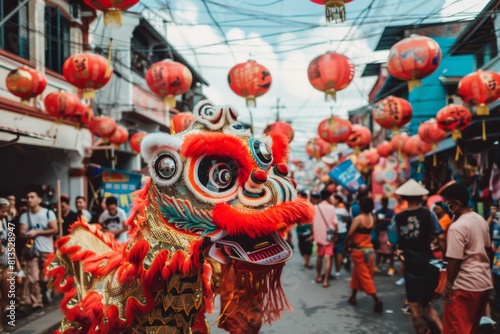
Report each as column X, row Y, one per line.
column 267, row 250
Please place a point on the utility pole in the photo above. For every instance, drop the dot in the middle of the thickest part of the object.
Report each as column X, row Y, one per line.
column 278, row 108
column 8, row 16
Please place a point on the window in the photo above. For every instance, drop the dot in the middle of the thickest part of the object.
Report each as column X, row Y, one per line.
column 14, row 34
column 57, row 39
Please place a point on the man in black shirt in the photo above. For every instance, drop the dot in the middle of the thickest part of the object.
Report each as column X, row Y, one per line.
column 68, row 215
column 414, row 228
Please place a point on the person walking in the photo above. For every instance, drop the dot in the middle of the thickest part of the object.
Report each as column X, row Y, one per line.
column 304, row 237
column 384, row 250
column 468, row 254
column 358, row 242
column 343, row 224
column 324, row 228
column 68, row 215
column 38, row 225
column 81, row 209
column 414, row 228
column 113, row 219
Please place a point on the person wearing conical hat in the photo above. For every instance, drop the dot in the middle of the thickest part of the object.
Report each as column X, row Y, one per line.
column 413, row 229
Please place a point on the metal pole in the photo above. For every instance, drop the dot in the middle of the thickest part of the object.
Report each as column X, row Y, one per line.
column 8, row 16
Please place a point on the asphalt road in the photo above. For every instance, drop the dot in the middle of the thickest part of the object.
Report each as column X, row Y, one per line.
column 325, row 310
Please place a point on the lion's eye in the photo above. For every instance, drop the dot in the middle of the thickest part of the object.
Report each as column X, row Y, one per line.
column 261, row 152
column 217, row 174
column 165, row 167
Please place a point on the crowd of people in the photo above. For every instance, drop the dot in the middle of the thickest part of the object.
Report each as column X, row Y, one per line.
column 357, row 233
column 36, row 227
column 444, row 250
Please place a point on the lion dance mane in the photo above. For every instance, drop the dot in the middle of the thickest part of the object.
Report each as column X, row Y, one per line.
column 207, row 222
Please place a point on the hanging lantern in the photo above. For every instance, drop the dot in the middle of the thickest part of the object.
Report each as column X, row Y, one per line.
column 317, row 148
column 168, row 78
column 181, row 122
column 414, row 146
column 334, row 9
column 102, row 126
column 384, row 149
column 120, row 136
column 249, row 80
column 25, row 82
column 112, row 9
column 392, row 113
column 330, row 73
column 398, row 142
column 453, row 118
column 61, row 104
column 281, row 127
column 135, row 141
column 430, row 132
column 360, row 137
column 480, row 89
column 88, row 72
column 361, row 163
column 414, row 58
column 335, row 130
column 372, row 156
column 82, row 114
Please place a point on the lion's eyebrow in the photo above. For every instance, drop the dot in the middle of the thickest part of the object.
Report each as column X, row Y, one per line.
column 220, row 145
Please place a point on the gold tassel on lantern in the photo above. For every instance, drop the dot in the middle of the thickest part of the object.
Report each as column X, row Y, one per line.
column 113, row 16
column 456, row 135
column 251, row 101
column 457, row 153
column 335, row 11
column 88, row 93
column 330, row 94
column 483, row 110
column 170, row 101
column 484, row 130
column 414, row 83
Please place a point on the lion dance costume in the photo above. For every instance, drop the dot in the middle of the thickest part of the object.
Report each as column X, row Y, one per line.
column 206, row 223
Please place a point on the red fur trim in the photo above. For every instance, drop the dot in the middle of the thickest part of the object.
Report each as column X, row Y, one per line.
column 221, row 145
column 256, row 224
column 280, row 147
column 141, row 201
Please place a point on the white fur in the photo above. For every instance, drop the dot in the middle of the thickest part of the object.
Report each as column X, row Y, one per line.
column 155, row 141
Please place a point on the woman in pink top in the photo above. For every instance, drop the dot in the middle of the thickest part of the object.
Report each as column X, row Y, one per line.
column 325, row 219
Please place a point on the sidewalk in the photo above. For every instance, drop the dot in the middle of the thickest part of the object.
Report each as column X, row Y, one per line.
column 42, row 324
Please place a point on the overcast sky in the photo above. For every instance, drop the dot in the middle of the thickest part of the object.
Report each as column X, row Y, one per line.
column 284, row 36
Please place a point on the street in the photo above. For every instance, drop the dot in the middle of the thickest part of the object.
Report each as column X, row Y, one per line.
column 325, row 310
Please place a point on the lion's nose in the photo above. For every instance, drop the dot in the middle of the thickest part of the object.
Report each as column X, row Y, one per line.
column 280, row 169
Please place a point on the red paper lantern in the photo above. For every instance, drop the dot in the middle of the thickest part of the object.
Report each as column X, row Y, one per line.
column 181, row 122
column 372, row 156
column 61, row 104
column 317, row 148
column 120, row 136
column 88, row 72
column 82, row 114
column 330, row 73
column 414, row 58
column 384, row 149
column 25, row 83
column 112, row 9
column 168, row 78
column 360, row 137
column 281, row 127
column 392, row 113
column 398, row 142
column 135, row 141
column 334, row 9
column 430, row 132
column 480, row 89
column 102, row 126
column 454, row 118
column 415, row 146
column 249, row 80
column 335, row 130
